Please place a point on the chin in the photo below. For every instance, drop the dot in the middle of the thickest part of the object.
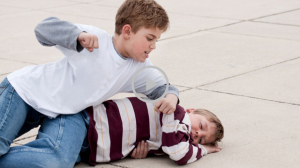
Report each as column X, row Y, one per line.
column 142, row 60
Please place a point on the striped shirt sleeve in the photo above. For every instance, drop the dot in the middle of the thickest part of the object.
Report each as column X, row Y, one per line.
column 176, row 141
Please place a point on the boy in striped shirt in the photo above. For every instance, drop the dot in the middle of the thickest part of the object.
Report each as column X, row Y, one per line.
column 117, row 126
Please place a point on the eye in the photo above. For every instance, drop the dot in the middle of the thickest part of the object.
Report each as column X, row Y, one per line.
column 200, row 125
column 200, row 140
column 149, row 39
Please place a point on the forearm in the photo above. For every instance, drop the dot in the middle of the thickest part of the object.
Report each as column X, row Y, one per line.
column 159, row 91
column 53, row 31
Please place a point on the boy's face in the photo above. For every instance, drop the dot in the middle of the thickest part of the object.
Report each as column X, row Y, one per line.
column 141, row 43
column 202, row 129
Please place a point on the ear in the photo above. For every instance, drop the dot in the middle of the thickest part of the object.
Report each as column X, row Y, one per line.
column 190, row 110
column 126, row 31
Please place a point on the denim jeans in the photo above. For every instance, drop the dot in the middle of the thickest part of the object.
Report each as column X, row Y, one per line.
column 59, row 140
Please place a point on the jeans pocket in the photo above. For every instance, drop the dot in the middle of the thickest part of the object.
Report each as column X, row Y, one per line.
column 3, row 85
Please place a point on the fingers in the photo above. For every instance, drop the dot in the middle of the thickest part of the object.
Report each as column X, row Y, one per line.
column 140, row 151
column 164, row 106
column 133, row 154
column 160, row 106
column 88, row 41
column 157, row 105
column 145, row 150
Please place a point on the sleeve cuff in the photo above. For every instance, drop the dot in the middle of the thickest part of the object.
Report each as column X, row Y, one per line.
column 203, row 150
column 79, row 48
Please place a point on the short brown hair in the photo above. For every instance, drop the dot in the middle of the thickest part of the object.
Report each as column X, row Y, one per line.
column 219, row 134
column 141, row 13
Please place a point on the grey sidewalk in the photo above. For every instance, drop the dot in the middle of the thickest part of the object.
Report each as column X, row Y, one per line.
column 238, row 58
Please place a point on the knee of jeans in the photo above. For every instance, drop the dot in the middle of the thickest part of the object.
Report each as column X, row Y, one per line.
column 58, row 162
column 4, row 146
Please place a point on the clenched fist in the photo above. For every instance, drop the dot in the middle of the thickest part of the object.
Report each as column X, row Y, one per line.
column 88, row 41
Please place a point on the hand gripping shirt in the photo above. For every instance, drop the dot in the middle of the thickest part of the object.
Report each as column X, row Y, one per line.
column 116, row 126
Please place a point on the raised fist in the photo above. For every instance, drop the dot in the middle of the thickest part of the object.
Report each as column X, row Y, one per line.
column 88, row 41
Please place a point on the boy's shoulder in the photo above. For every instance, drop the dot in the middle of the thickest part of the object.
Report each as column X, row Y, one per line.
column 93, row 30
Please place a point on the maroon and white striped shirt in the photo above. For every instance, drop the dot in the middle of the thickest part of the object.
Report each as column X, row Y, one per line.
column 116, row 126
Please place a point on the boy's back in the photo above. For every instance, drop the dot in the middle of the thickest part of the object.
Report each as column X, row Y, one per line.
column 116, row 126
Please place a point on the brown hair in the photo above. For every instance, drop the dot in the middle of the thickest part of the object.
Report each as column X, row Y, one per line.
column 219, row 134
column 141, row 13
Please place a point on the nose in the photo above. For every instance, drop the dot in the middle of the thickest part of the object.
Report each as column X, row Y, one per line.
column 153, row 45
column 197, row 134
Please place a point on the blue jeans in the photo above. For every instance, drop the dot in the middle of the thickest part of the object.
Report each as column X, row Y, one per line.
column 59, row 140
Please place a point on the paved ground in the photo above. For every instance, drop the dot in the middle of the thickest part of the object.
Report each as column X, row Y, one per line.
column 237, row 58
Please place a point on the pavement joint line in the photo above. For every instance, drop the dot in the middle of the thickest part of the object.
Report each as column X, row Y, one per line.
column 5, row 74
column 202, row 30
column 233, row 94
column 274, row 14
column 185, row 90
column 117, row 165
column 30, row 10
column 283, row 24
column 292, row 59
column 77, row 15
column 78, row 3
column 14, row 6
column 16, row 140
column 252, row 35
column 17, row 143
column 19, row 61
column 104, row 5
column 211, row 17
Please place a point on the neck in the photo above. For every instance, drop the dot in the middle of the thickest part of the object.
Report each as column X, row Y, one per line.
column 119, row 45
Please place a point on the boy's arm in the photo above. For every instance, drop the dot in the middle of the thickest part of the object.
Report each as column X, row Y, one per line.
column 176, row 140
column 166, row 105
column 53, row 31
column 158, row 91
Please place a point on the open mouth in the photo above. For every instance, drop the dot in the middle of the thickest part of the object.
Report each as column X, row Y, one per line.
column 147, row 54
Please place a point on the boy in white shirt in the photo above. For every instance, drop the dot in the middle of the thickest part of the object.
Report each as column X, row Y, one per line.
column 95, row 66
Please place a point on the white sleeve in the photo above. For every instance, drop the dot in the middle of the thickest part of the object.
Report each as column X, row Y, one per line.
column 150, row 73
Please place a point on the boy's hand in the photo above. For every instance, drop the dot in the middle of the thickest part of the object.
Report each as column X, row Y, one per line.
column 211, row 149
column 88, row 41
column 166, row 105
column 141, row 151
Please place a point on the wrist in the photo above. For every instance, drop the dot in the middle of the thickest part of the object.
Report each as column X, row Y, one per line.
column 171, row 96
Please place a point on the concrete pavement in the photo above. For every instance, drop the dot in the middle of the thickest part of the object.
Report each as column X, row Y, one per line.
column 238, row 58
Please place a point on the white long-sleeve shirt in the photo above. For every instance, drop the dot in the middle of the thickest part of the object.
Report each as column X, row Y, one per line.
column 81, row 79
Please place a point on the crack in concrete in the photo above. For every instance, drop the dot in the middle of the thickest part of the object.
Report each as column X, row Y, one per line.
column 295, row 104
column 201, row 31
column 118, row 165
column 282, row 24
column 251, row 35
column 77, row 15
column 19, row 61
column 292, row 59
column 210, row 17
column 14, row 6
column 20, row 139
column 274, row 14
column 5, row 74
